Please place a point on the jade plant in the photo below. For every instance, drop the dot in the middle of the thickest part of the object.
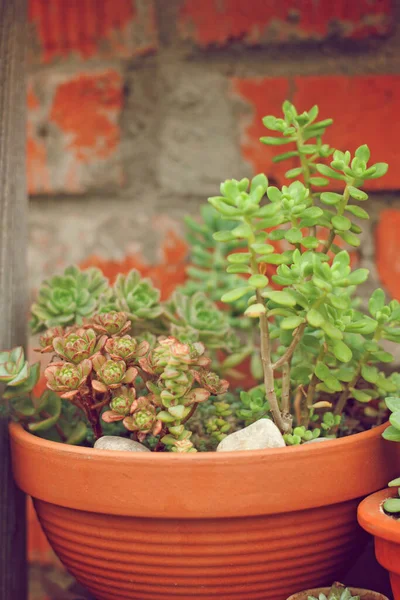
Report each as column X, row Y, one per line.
column 318, row 348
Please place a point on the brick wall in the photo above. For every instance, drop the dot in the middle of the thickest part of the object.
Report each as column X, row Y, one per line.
column 139, row 108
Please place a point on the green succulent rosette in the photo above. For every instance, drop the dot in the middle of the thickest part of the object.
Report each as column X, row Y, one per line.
column 135, row 295
column 197, row 318
column 68, row 298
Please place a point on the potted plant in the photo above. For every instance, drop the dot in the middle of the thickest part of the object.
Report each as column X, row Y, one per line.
column 337, row 592
column 174, row 522
column 379, row 513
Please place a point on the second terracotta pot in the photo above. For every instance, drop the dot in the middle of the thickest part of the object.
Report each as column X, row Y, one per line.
column 233, row 526
column 364, row 594
column 386, row 531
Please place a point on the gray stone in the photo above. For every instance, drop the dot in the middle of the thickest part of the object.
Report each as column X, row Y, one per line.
column 113, row 442
column 257, row 436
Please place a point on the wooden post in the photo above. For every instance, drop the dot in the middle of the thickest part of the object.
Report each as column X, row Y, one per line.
column 13, row 274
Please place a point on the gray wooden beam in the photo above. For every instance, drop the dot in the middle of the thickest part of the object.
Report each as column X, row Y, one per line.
column 13, row 274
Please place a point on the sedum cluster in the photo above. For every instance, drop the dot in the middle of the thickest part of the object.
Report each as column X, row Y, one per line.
column 98, row 365
column 314, row 341
column 337, row 592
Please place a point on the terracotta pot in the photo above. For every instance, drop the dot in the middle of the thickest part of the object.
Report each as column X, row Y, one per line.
column 386, row 531
column 240, row 525
column 364, row 594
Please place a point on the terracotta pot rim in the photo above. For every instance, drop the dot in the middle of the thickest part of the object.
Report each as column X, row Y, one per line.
column 25, row 437
column 355, row 591
column 373, row 519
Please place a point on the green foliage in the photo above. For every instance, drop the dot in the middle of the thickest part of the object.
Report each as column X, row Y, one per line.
column 68, row 298
column 136, row 296
column 253, row 405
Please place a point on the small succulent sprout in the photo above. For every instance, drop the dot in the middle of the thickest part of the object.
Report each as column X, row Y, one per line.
column 46, row 339
column 180, row 443
column 337, row 592
column 79, row 345
column 137, row 296
column 126, row 348
column 14, row 369
column 211, row 382
column 67, row 378
column 112, row 323
column 111, row 374
column 170, row 351
column 68, row 298
column 143, row 419
column 120, row 405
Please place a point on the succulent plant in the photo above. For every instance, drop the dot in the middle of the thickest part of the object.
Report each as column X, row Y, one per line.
column 197, row 318
column 46, row 339
column 66, row 378
column 111, row 323
column 337, row 592
column 68, row 298
column 137, row 296
column 14, row 369
column 111, row 374
column 126, row 348
column 120, row 405
column 75, row 347
column 143, row 418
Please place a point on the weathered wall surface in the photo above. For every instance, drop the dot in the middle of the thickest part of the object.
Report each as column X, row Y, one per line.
column 138, row 109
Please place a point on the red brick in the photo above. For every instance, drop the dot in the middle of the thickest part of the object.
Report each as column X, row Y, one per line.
column 364, row 109
column 73, row 132
column 217, row 22
column 387, row 251
column 122, row 28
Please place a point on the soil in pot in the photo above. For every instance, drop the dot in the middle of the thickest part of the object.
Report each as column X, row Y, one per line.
column 253, row 525
column 386, row 532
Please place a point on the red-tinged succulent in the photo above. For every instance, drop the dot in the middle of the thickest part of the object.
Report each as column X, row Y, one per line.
column 67, row 377
column 143, row 419
column 112, row 323
column 46, row 340
column 170, row 351
column 77, row 346
column 120, row 406
column 111, row 374
column 211, row 382
column 126, row 348
column 14, row 369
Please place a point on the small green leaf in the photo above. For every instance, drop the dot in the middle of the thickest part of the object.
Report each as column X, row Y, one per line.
column 315, row 318
column 258, row 281
column 239, row 258
column 275, row 141
column 380, row 170
column 342, row 351
column 282, row 298
column 263, row 248
column 223, row 236
column 357, row 211
column 259, row 180
column 274, row 194
column 236, row 269
column 392, row 505
column 322, row 371
column 284, row 156
column 235, row 294
column 319, row 181
column 328, row 172
column 391, row 434
column 394, row 482
column 360, row 395
column 363, row 153
column 310, row 242
column 292, row 322
column 292, row 173
column 294, row 235
column 350, row 238
column 331, row 331
column 357, row 277
column 77, row 434
column 393, row 403
column 331, row 198
column 370, row 374
column 376, row 301
column 341, row 223
column 255, row 310
column 395, row 419
column 357, row 194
